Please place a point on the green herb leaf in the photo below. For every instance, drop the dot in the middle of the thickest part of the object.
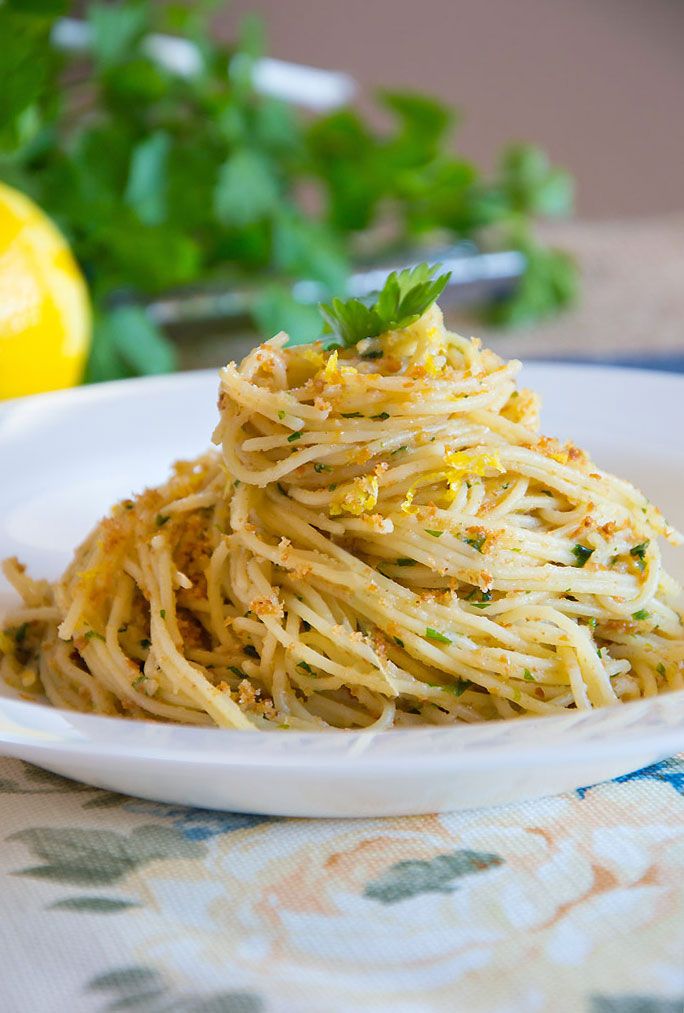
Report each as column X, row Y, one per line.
column 146, row 187
column 246, row 190
column 476, row 543
column 404, row 298
column 660, row 668
column 435, row 534
column 641, row 614
column 527, row 675
column 459, row 687
column 294, row 436
column 405, row 561
column 436, row 636
column 161, row 519
column 639, row 553
column 398, row 642
column 319, row 468
column 581, row 554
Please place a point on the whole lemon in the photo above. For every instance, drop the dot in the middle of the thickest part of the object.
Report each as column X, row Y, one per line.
column 45, row 320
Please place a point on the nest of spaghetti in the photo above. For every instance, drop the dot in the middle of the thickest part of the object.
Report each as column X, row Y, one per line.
column 382, row 539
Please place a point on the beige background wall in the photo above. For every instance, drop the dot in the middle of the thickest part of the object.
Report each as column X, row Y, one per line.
column 599, row 82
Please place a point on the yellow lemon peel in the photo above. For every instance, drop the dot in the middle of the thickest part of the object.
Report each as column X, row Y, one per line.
column 357, row 497
column 460, row 463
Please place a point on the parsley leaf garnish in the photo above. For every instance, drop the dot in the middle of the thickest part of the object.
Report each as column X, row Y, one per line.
column 403, row 299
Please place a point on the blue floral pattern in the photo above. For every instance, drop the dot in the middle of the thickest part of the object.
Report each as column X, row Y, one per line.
column 197, row 824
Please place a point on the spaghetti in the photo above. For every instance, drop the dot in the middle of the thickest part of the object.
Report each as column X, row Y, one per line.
column 383, row 540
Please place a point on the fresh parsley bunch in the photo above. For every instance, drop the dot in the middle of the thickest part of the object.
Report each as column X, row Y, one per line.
column 162, row 181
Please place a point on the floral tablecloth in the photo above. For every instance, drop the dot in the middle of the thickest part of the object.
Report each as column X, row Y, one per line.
column 572, row 904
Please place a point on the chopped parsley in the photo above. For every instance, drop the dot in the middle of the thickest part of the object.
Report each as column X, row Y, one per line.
column 136, row 682
column 92, row 633
column 660, row 668
column 639, row 553
column 20, row 633
column 162, row 613
column 161, row 519
column 581, row 554
column 476, row 543
column 236, row 671
column 593, row 622
column 306, row 667
column 435, row 534
column 282, row 414
column 641, row 614
column 382, row 416
column 374, row 353
column 294, row 436
column 318, row 467
column 405, row 561
column 332, row 487
column 351, row 415
column 527, row 675
column 236, row 483
column 458, row 688
column 435, row 635
column 398, row 641
column 399, row 450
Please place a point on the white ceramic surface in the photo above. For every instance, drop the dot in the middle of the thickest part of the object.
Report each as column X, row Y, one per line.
column 65, row 457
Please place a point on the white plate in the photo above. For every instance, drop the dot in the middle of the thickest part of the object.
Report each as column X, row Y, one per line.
column 64, row 458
